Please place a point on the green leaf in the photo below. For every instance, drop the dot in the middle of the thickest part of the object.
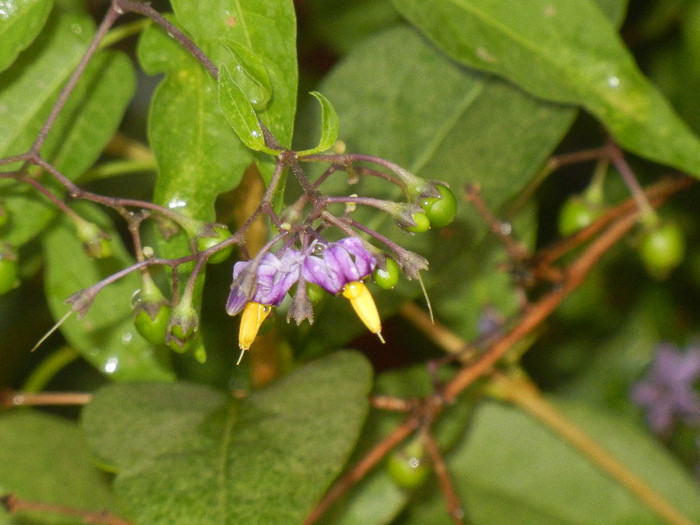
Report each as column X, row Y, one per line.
column 266, row 458
column 267, row 29
column 198, row 155
column 465, row 127
column 565, row 52
column 510, row 469
column 87, row 122
column 20, row 22
column 45, row 458
column 240, row 113
column 106, row 336
column 329, row 126
column 249, row 73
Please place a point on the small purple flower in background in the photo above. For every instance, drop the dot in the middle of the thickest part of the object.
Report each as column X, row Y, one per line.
column 667, row 393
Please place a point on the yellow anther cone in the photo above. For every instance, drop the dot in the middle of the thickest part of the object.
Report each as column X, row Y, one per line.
column 253, row 316
column 363, row 304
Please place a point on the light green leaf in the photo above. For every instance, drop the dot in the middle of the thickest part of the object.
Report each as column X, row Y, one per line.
column 266, row 458
column 87, row 122
column 249, row 73
column 198, row 154
column 45, row 458
column 106, row 336
column 240, row 113
column 329, row 126
column 566, row 52
column 267, row 29
column 20, row 22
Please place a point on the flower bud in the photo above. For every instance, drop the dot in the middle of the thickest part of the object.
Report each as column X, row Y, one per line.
column 182, row 326
column 95, row 241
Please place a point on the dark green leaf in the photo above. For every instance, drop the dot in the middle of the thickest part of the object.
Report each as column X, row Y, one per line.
column 86, row 123
column 266, row 458
column 465, row 128
column 249, row 73
column 20, row 22
column 106, row 336
column 565, row 52
column 510, row 469
column 44, row 458
column 329, row 126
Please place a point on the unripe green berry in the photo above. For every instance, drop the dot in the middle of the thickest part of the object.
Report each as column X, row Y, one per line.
column 575, row 215
column 440, row 210
column 662, row 249
column 387, row 278
column 408, row 467
column 9, row 270
column 221, row 233
column 153, row 329
column 422, row 223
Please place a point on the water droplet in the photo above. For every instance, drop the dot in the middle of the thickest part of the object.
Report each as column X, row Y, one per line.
column 506, row 228
column 111, row 365
column 177, row 202
column 136, row 298
column 613, row 81
column 255, row 134
column 77, row 29
column 413, row 462
column 127, row 337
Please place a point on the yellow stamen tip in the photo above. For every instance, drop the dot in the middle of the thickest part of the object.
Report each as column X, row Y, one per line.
column 253, row 316
column 364, row 306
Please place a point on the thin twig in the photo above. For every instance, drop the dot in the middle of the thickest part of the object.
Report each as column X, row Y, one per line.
column 452, row 502
column 14, row 505
column 359, row 471
column 13, row 398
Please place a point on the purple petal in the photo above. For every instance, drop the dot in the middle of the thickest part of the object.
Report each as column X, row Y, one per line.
column 340, row 263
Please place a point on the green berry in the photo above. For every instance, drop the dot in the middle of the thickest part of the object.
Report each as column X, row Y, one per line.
column 387, row 278
column 153, row 329
column 221, row 233
column 662, row 249
column 575, row 215
column 408, row 466
column 441, row 210
column 9, row 270
column 422, row 223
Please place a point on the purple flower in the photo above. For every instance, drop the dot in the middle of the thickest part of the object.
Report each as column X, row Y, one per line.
column 265, row 283
column 340, row 263
column 667, row 392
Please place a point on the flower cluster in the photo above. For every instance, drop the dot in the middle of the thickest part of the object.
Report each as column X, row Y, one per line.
column 667, row 393
column 338, row 267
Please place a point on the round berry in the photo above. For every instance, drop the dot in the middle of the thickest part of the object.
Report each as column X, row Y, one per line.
column 387, row 278
column 422, row 223
column 153, row 329
column 440, row 210
column 576, row 214
column 408, row 466
column 662, row 249
column 221, row 233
